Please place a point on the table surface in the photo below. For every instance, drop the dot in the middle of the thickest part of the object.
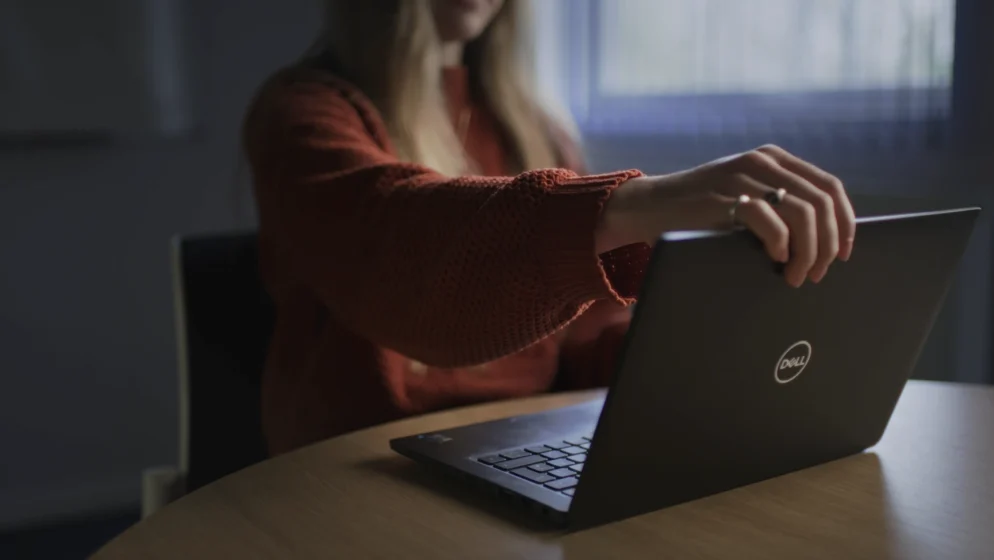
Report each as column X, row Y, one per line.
column 926, row 491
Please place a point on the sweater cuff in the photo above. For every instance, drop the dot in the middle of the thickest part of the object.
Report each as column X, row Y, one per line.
column 626, row 267
column 568, row 218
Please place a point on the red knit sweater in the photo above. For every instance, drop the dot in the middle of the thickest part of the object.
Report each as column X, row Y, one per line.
column 379, row 267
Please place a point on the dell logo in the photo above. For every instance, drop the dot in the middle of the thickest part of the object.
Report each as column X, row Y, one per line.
column 792, row 362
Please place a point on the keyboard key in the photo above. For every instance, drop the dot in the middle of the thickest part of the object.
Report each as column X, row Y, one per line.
column 559, row 463
column 563, row 483
column 541, row 467
column 522, row 462
column 569, row 491
column 537, row 449
column 585, row 445
column 562, row 473
column 579, row 458
column 516, row 454
column 490, row 459
column 571, row 450
column 577, row 441
column 554, row 454
column 533, row 476
column 577, row 468
column 557, row 444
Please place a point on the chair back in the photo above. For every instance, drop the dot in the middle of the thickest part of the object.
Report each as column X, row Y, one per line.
column 224, row 320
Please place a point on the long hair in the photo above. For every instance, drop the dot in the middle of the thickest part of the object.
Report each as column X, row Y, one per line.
column 390, row 50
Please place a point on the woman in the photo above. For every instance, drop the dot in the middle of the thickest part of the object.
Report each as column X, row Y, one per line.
column 427, row 245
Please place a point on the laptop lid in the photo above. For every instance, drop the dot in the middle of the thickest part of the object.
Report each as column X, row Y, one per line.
column 730, row 376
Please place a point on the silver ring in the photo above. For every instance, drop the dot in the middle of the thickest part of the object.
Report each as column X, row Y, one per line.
column 733, row 211
column 775, row 197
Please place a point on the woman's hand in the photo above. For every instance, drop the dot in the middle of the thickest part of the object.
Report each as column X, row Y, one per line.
column 811, row 226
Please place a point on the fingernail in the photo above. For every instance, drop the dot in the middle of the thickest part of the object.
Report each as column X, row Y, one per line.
column 817, row 276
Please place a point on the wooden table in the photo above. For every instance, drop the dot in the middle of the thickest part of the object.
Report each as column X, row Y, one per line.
column 926, row 491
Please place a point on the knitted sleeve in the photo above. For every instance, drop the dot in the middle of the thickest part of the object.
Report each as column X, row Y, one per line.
column 450, row 271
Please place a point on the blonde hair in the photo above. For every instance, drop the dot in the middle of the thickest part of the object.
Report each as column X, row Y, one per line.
column 390, row 49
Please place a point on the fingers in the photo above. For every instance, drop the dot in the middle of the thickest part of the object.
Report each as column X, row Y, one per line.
column 829, row 184
column 805, row 206
column 801, row 222
column 807, row 259
column 762, row 220
column 808, row 228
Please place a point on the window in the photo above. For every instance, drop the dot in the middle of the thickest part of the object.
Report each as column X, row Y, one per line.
column 798, row 68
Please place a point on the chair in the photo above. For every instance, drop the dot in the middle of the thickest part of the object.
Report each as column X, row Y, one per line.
column 224, row 319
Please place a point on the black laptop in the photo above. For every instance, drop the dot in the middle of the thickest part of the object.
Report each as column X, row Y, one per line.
column 728, row 376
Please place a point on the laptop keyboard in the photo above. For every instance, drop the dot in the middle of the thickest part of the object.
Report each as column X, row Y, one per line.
column 556, row 465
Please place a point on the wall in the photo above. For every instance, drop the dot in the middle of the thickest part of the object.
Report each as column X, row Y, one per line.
column 86, row 331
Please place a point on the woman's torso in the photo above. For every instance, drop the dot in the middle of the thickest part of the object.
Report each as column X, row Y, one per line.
column 322, row 379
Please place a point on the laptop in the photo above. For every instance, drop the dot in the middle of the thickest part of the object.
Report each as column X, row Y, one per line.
column 727, row 377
